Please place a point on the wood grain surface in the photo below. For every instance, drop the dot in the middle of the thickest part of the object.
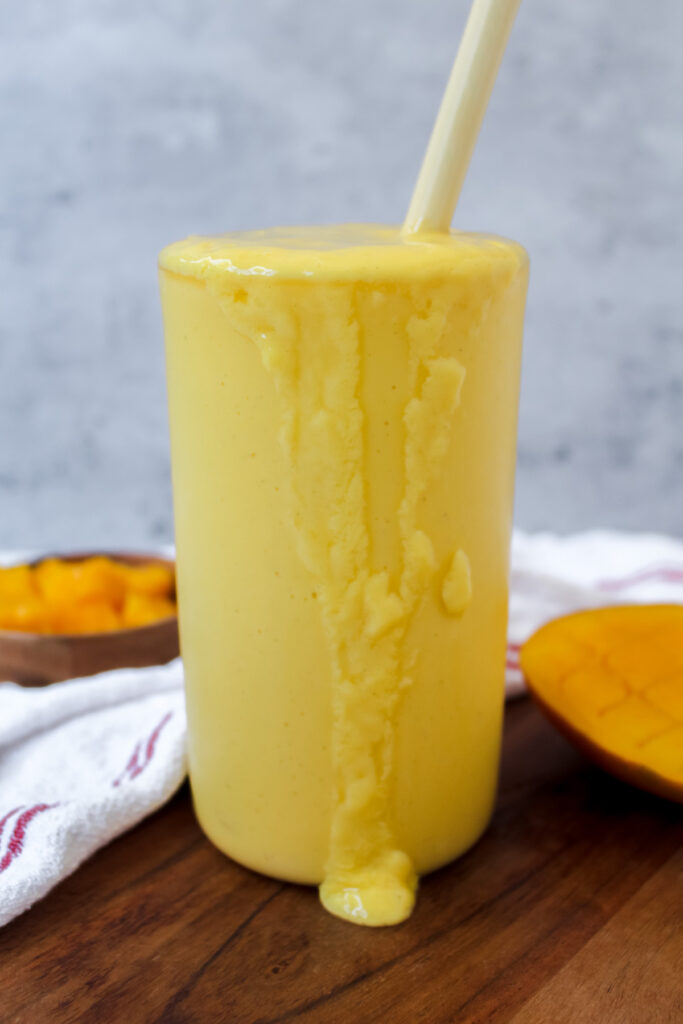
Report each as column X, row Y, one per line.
column 568, row 910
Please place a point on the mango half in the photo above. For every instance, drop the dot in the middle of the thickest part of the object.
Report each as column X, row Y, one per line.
column 611, row 679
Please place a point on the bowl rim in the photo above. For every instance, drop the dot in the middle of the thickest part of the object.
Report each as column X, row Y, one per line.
column 127, row 557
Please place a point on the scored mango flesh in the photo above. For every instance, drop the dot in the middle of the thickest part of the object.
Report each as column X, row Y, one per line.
column 612, row 680
column 91, row 595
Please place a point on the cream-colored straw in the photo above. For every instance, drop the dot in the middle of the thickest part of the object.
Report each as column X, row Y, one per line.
column 459, row 119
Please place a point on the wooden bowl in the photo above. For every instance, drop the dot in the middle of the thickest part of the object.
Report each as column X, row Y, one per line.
column 35, row 659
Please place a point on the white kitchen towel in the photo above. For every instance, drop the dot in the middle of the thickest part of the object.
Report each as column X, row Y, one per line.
column 84, row 760
column 81, row 762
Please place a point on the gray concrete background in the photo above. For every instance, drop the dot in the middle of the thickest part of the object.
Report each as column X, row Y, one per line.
column 125, row 124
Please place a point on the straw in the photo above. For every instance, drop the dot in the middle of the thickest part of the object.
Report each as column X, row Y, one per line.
column 460, row 116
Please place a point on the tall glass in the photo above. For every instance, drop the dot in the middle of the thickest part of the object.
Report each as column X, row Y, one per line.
column 343, row 410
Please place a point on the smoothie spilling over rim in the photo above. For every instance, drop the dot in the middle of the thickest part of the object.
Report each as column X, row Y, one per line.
column 367, row 602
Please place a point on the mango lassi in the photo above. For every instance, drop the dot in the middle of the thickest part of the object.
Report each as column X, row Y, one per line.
column 343, row 406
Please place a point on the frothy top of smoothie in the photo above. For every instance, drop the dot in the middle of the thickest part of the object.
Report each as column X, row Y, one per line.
column 340, row 251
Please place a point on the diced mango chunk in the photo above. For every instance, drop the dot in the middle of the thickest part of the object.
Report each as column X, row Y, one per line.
column 16, row 584
column 634, row 721
column 152, row 579
column 64, row 583
column 91, row 595
column 639, row 663
column 25, row 616
column 589, row 691
column 140, row 610
column 96, row 616
column 666, row 750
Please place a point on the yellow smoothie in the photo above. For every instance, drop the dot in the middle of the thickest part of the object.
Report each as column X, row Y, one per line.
column 343, row 406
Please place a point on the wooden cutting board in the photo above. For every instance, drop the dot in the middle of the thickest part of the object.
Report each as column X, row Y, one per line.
column 569, row 911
